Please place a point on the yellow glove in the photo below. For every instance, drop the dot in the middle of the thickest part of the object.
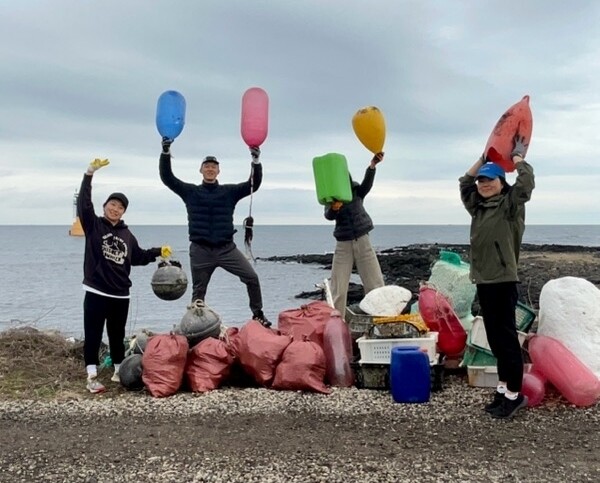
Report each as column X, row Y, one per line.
column 165, row 251
column 96, row 164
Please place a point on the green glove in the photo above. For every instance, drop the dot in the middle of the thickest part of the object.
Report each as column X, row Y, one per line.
column 165, row 251
column 96, row 164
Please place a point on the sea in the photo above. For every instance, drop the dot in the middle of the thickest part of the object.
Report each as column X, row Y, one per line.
column 42, row 270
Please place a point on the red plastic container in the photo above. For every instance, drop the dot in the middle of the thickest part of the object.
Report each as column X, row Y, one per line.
column 438, row 314
column 337, row 345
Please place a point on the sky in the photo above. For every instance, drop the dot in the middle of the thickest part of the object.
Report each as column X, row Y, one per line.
column 81, row 79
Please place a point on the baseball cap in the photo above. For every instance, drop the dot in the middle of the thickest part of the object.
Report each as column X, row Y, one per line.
column 491, row 171
column 210, row 159
column 118, row 196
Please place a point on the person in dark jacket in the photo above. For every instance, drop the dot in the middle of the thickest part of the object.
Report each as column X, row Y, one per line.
column 210, row 206
column 110, row 252
column 497, row 212
column 352, row 227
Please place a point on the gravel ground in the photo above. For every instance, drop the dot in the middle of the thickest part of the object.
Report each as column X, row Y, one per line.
column 261, row 435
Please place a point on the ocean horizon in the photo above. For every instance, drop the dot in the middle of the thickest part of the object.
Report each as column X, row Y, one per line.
column 43, row 269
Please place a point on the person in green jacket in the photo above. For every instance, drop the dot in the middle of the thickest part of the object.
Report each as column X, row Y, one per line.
column 497, row 212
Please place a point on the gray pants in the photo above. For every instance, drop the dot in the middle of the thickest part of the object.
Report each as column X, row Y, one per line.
column 205, row 259
column 347, row 253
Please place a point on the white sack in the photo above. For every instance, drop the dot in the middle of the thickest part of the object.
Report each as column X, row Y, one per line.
column 389, row 300
column 570, row 312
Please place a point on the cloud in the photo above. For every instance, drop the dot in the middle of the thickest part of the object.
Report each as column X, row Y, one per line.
column 83, row 85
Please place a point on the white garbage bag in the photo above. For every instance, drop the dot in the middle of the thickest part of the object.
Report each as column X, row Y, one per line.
column 570, row 312
column 389, row 300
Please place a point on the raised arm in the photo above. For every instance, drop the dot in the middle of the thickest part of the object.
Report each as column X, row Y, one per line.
column 85, row 207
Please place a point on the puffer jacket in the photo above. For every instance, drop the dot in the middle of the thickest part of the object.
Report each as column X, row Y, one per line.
column 351, row 220
column 497, row 227
column 210, row 206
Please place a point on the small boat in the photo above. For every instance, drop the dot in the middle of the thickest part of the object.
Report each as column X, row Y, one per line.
column 76, row 228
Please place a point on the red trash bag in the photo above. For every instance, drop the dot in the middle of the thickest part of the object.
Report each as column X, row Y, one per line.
column 437, row 313
column 260, row 350
column 302, row 368
column 573, row 379
column 534, row 388
column 337, row 346
column 163, row 364
column 517, row 120
column 208, row 365
column 307, row 321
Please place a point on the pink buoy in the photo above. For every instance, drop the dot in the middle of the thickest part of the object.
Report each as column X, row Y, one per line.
column 337, row 345
column 534, row 388
column 255, row 116
column 573, row 379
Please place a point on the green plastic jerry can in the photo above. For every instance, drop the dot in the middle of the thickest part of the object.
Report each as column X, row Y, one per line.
column 332, row 179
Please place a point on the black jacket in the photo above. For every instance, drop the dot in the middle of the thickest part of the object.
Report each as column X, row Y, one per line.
column 110, row 251
column 351, row 220
column 210, row 206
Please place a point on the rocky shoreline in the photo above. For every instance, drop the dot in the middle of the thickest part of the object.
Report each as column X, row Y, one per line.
column 411, row 265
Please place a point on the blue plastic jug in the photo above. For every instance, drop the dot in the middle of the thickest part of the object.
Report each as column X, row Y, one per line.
column 170, row 114
column 410, row 377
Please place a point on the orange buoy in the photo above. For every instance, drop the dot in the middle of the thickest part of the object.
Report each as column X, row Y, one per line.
column 517, row 120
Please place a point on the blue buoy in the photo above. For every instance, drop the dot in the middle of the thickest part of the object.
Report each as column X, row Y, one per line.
column 170, row 114
column 410, row 377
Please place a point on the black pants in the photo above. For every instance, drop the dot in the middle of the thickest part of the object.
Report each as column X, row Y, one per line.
column 204, row 260
column 96, row 310
column 498, row 302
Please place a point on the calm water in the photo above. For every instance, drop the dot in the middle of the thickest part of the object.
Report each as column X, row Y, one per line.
column 42, row 270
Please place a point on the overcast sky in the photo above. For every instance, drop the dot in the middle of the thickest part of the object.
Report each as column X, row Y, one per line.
column 80, row 80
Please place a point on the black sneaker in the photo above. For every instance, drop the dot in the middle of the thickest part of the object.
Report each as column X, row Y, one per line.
column 508, row 408
column 260, row 317
column 498, row 398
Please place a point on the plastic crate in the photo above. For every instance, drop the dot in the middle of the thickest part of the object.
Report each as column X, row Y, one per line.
column 524, row 316
column 478, row 337
column 377, row 376
column 482, row 376
column 359, row 322
column 474, row 356
column 379, row 351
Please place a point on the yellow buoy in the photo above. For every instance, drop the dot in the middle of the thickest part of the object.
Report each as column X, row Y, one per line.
column 369, row 126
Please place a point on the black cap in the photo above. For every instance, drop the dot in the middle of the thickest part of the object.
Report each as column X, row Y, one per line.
column 210, row 159
column 118, row 196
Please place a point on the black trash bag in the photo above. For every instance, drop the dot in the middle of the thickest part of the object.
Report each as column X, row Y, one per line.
column 169, row 281
column 198, row 323
column 130, row 373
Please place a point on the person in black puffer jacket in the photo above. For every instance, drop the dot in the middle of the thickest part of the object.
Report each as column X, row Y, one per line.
column 210, row 208
column 110, row 252
column 352, row 227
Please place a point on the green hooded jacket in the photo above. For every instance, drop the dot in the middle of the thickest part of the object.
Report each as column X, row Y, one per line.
column 497, row 226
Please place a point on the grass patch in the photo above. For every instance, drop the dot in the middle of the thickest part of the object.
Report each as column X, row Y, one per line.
column 39, row 365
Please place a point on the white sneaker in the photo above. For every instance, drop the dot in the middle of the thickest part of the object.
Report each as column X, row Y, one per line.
column 95, row 386
column 115, row 377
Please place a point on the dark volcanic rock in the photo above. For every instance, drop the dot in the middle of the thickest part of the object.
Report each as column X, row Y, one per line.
column 411, row 265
